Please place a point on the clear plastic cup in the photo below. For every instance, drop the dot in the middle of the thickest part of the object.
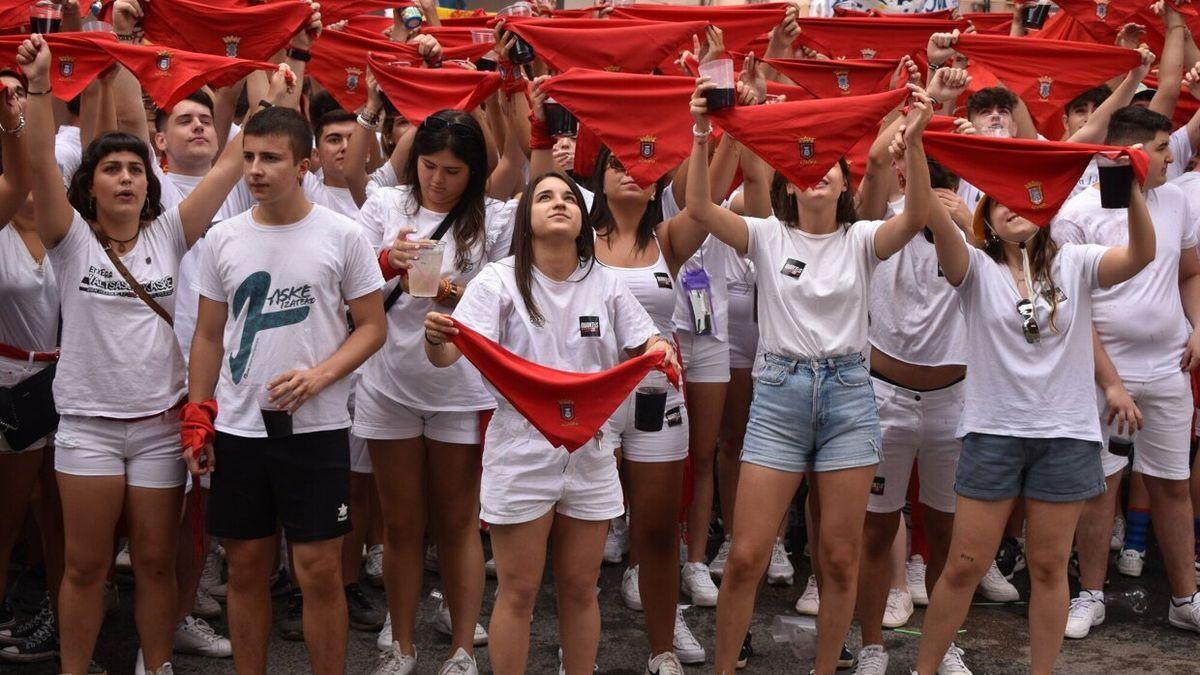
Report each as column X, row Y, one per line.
column 45, row 17
column 720, row 72
column 278, row 422
column 482, row 35
column 516, row 9
column 425, row 275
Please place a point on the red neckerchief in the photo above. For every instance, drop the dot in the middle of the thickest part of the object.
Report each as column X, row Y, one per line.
column 419, row 92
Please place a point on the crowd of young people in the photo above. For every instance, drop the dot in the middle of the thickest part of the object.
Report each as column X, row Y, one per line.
column 939, row 382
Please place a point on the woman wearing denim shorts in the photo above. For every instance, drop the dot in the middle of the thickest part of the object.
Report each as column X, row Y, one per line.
column 1029, row 425
column 813, row 408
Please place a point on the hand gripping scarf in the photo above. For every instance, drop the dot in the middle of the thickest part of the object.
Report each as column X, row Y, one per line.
column 615, row 45
column 1033, row 178
column 567, row 408
column 169, row 75
column 419, row 92
column 255, row 32
column 196, row 430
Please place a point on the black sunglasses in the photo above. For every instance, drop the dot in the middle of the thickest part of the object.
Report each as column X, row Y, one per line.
column 456, row 128
column 1029, row 327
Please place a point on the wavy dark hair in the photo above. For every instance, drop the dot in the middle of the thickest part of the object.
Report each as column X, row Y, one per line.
column 601, row 215
column 79, row 192
column 522, row 240
column 787, row 209
column 1042, row 251
column 468, row 215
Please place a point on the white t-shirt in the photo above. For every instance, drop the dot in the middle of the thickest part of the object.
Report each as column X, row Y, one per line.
column 68, row 152
column 1141, row 321
column 28, row 296
column 286, row 287
column 119, row 358
column 1189, row 182
column 1041, row 390
column 813, row 289
column 590, row 319
column 400, row 370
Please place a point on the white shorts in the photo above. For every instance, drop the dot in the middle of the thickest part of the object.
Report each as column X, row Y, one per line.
column 148, row 453
column 377, row 417
column 743, row 341
column 669, row 444
column 1161, row 449
column 918, row 425
column 705, row 358
column 360, row 456
column 524, row 477
column 13, row 371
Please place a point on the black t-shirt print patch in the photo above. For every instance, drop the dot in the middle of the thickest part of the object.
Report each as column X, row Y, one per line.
column 589, row 326
column 878, row 485
column 792, row 268
column 663, row 279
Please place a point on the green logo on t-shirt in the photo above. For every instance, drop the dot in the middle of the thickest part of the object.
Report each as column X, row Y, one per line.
column 252, row 296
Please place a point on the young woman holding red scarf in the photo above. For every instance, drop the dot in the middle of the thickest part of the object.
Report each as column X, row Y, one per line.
column 814, row 266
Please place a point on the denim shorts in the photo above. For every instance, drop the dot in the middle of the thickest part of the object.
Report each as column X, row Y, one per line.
column 816, row 415
column 994, row 468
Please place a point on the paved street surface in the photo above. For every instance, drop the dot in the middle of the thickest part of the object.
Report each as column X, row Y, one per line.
column 995, row 637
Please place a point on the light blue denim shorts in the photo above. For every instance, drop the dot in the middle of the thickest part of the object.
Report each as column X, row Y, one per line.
column 817, row 415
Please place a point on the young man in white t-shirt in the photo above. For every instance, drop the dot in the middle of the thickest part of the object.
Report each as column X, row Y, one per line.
column 1143, row 346
column 271, row 346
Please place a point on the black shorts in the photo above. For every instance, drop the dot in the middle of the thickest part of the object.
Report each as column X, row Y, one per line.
column 301, row 482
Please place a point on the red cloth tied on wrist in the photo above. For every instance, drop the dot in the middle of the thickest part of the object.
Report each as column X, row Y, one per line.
column 420, row 92
column 1047, row 74
column 385, row 267
column 1033, row 178
column 539, row 134
column 652, row 134
column 870, row 37
column 804, row 139
column 835, row 78
column 615, row 45
column 739, row 24
column 256, row 32
column 75, row 59
column 567, row 408
column 196, row 425
column 169, row 75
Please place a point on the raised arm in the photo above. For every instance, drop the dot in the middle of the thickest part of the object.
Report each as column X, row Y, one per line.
column 52, row 212
column 896, row 232
column 506, row 178
column 878, row 179
column 125, row 91
column 361, row 142
column 720, row 222
column 541, row 160
column 14, row 183
column 1121, row 263
column 1170, row 67
column 949, row 243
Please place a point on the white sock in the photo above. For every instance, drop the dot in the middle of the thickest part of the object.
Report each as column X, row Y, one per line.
column 1097, row 595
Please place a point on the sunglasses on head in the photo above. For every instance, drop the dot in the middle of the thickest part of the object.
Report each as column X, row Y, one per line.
column 614, row 164
column 1029, row 326
column 456, row 128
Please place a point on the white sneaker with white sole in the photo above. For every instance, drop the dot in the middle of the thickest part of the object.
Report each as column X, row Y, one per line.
column 872, row 660
column 914, row 571
column 780, row 572
column 631, row 593
column 1131, row 562
column 698, row 584
column 899, row 608
column 1086, row 611
column 195, row 636
column 809, row 602
column 952, row 662
column 685, row 645
column 996, row 588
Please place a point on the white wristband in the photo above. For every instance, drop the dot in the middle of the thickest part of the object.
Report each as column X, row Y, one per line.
column 701, row 134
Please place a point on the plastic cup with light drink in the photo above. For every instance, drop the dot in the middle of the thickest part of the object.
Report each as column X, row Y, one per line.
column 277, row 421
column 45, row 17
column 425, row 275
column 720, row 73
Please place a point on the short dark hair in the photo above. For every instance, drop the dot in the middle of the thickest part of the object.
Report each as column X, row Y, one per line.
column 1094, row 96
column 332, row 117
column 991, row 97
column 319, row 103
column 286, row 122
column 1133, row 124
column 199, row 96
column 940, row 176
column 79, row 191
column 73, row 105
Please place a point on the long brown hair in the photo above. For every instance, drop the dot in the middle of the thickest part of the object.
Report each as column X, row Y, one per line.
column 522, row 240
column 1042, row 251
column 787, row 209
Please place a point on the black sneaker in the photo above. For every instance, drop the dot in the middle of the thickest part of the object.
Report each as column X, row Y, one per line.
column 7, row 618
column 846, row 659
column 745, row 652
column 292, row 625
column 41, row 646
column 363, row 614
column 21, row 632
column 1009, row 558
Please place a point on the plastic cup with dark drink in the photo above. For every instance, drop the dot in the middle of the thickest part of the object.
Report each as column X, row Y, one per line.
column 1120, row 445
column 1034, row 16
column 559, row 120
column 720, row 73
column 1116, row 179
column 650, row 403
column 278, row 422
column 45, row 17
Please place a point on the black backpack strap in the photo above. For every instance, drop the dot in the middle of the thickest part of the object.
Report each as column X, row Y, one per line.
column 443, row 227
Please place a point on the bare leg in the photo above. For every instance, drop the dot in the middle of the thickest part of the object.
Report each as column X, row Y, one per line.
column 251, row 562
column 454, row 496
column 1093, row 534
column 875, row 574
column 188, row 567
column 733, row 432
column 1171, row 507
column 153, row 517
column 655, row 490
column 18, row 476
column 939, row 526
column 400, row 477
column 520, row 552
column 319, row 571
column 48, row 510
column 1048, row 548
column 705, row 401
column 578, row 551
column 352, row 543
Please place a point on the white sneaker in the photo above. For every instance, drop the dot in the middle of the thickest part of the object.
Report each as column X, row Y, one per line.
column 616, row 542
column 195, row 636
column 394, row 662
column 1118, row 533
column 489, row 567
column 1186, row 616
column 780, row 572
column 205, row 606
column 124, row 561
column 810, row 601
column 1131, row 562
column 685, row 645
column 872, row 660
column 914, row 570
column 1086, row 611
column 140, row 667
column 665, row 663
column 444, row 626
column 384, row 640
column 899, row 608
column 461, row 663
column 996, row 588
column 374, row 565
column 952, row 662
column 717, row 566
column 431, row 558
column 698, row 583
column 631, row 594
column 211, row 575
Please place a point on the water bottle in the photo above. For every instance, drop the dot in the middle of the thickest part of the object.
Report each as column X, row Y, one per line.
column 798, row 631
